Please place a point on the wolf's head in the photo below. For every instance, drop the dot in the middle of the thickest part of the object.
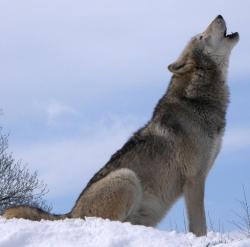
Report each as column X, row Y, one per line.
column 214, row 43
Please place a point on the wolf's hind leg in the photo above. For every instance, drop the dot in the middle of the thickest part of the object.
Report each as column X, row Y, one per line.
column 113, row 197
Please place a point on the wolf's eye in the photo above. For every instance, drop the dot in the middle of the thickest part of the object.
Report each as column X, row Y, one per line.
column 201, row 37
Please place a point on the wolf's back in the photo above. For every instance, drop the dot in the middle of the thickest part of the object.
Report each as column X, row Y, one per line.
column 31, row 213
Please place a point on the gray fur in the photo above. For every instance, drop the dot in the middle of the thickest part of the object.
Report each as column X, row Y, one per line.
column 173, row 153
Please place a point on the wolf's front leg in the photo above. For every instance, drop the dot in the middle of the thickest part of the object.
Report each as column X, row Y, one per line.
column 194, row 198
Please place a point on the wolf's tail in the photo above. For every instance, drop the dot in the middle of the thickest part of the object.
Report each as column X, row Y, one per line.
column 32, row 213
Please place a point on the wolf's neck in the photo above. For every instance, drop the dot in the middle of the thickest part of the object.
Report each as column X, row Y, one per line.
column 222, row 64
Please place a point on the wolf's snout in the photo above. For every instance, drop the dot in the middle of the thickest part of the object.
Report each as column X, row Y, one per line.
column 220, row 17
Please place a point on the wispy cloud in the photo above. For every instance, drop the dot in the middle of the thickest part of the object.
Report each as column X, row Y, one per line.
column 88, row 46
column 56, row 110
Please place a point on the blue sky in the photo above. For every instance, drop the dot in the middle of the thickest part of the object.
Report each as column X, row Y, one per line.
column 79, row 77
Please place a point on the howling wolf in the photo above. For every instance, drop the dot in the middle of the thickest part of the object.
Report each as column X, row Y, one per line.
column 172, row 154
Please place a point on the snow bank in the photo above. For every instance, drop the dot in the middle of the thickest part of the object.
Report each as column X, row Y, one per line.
column 94, row 232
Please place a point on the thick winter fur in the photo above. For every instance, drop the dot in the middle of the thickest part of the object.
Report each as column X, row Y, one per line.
column 172, row 154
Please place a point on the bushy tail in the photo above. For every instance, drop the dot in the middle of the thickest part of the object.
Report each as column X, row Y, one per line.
column 32, row 213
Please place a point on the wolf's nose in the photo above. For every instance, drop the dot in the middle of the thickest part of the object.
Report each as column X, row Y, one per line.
column 220, row 17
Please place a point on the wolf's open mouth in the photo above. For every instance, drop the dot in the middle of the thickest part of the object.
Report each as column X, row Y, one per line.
column 231, row 35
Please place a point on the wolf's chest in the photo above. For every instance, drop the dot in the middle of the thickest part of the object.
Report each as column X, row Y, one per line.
column 206, row 152
column 215, row 147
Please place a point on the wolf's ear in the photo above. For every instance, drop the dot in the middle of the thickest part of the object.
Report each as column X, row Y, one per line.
column 180, row 66
column 176, row 67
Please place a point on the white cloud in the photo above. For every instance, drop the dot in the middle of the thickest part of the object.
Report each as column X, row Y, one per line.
column 55, row 110
column 89, row 46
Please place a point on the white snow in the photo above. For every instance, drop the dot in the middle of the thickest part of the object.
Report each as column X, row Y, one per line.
column 95, row 232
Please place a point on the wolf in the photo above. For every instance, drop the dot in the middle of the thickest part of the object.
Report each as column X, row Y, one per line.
column 172, row 154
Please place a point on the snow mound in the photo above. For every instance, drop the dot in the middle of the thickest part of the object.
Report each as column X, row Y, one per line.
column 95, row 232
